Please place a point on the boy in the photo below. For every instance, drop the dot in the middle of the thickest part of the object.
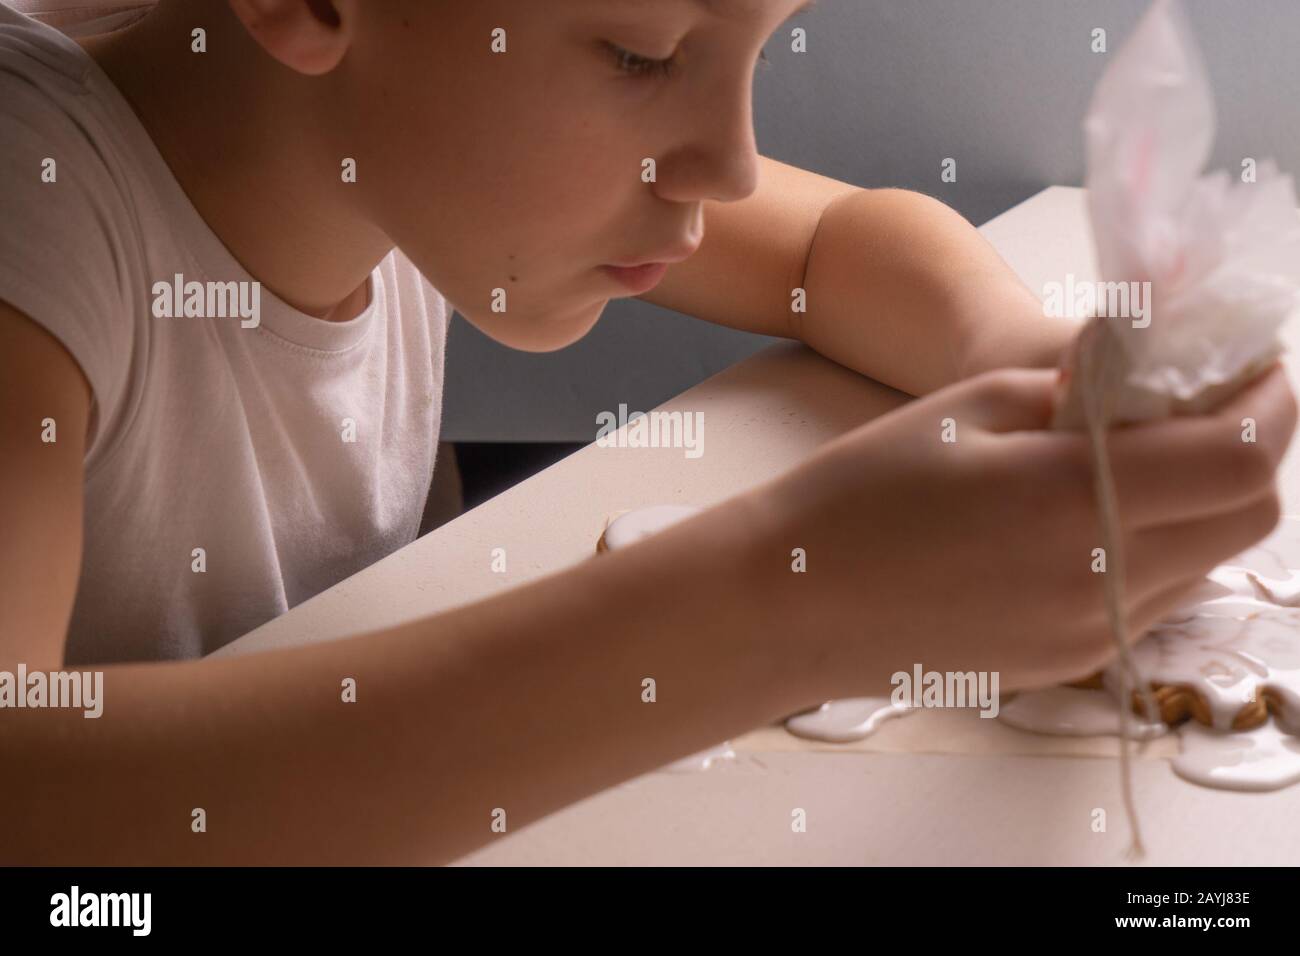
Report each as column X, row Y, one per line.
column 199, row 293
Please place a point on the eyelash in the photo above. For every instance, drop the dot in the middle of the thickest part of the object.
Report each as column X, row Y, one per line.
column 628, row 62
column 635, row 65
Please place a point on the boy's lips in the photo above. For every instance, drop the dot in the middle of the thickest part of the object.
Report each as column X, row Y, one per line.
column 644, row 274
column 638, row 279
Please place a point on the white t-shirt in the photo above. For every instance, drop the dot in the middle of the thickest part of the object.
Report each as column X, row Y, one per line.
column 221, row 485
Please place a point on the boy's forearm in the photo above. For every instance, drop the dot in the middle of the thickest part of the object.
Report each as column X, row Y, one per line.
column 903, row 289
column 524, row 703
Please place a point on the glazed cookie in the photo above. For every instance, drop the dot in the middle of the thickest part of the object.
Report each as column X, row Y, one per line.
column 1225, row 672
column 1230, row 658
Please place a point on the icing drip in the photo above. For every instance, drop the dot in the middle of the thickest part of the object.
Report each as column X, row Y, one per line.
column 840, row 721
column 702, row 760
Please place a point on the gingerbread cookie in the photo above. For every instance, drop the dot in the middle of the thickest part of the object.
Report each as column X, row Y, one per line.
column 1231, row 657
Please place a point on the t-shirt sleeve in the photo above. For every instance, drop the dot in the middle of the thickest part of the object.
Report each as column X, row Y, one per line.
column 63, row 250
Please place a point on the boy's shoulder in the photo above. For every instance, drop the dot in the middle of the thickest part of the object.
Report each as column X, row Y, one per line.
column 69, row 190
column 49, row 114
column 38, row 57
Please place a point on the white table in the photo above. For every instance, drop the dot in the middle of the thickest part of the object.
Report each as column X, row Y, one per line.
column 986, row 804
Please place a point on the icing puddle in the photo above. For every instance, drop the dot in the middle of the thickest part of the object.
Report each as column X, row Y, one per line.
column 1229, row 662
column 1263, row 759
column 842, row 721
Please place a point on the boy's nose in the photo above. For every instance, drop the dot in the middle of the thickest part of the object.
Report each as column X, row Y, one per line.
column 720, row 163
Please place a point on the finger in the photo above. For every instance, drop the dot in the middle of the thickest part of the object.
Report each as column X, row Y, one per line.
column 1201, row 465
column 1150, row 611
column 1161, row 556
column 1269, row 392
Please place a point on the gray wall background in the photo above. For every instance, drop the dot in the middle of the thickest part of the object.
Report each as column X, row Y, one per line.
column 886, row 90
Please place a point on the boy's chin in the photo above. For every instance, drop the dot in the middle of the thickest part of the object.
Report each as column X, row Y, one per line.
column 538, row 333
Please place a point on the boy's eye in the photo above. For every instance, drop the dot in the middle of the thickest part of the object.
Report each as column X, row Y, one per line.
column 637, row 65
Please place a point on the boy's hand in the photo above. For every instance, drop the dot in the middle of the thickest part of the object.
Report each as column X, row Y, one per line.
column 977, row 553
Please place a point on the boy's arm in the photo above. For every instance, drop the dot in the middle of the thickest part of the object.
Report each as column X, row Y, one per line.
column 899, row 286
column 524, row 702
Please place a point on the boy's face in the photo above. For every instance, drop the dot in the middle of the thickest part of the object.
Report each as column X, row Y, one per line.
column 523, row 170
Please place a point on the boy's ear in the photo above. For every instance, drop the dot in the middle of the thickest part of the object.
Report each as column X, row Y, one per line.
column 309, row 36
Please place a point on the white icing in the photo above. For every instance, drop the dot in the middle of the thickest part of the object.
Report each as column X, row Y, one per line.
column 1240, row 638
column 1266, row 758
column 1227, row 661
column 1072, row 712
column 840, row 721
column 632, row 527
column 1236, row 639
column 702, row 760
